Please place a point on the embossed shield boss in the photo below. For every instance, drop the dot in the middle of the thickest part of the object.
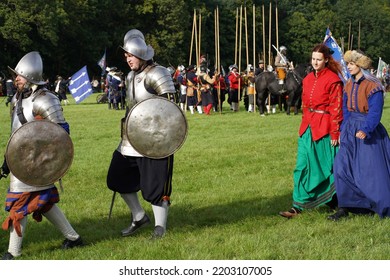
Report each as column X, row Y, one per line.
column 156, row 127
column 39, row 153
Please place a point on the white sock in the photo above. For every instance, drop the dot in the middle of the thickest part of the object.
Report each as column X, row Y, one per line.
column 135, row 207
column 161, row 214
column 199, row 108
column 191, row 109
column 235, row 106
column 58, row 219
column 15, row 241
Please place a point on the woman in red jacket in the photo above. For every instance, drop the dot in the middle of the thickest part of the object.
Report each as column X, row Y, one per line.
column 318, row 134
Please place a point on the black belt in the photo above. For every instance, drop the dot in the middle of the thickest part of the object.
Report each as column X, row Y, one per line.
column 318, row 111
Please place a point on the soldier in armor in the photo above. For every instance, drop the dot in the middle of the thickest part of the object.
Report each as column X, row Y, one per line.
column 129, row 171
column 33, row 101
column 281, row 64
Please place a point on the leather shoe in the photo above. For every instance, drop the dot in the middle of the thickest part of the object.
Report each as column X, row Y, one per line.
column 341, row 213
column 290, row 213
column 69, row 244
column 8, row 256
column 136, row 225
column 158, row 232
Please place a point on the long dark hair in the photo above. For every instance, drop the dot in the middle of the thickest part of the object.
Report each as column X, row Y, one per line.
column 332, row 64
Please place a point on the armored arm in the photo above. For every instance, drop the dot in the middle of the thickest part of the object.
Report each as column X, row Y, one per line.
column 160, row 81
column 47, row 106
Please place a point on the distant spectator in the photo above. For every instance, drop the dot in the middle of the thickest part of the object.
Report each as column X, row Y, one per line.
column 60, row 88
column 11, row 90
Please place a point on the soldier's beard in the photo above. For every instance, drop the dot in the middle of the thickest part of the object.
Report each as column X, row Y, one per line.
column 141, row 66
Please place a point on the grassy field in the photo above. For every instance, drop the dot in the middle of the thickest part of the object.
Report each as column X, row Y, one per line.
column 231, row 178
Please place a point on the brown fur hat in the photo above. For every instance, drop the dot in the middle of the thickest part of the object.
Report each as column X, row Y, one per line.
column 359, row 58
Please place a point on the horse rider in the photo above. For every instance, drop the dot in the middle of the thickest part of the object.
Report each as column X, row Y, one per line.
column 282, row 64
column 259, row 69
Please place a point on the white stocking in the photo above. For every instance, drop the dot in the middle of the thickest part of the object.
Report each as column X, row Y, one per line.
column 135, row 207
column 161, row 214
column 58, row 219
column 15, row 241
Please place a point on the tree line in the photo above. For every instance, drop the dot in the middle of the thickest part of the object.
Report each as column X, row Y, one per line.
column 72, row 33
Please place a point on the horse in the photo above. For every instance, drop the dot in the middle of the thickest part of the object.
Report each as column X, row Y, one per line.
column 267, row 83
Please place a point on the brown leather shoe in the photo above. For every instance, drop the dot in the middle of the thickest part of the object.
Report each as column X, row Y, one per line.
column 290, row 213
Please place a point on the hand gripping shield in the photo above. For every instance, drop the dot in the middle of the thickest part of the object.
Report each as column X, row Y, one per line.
column 156, row 127
column 39, row 153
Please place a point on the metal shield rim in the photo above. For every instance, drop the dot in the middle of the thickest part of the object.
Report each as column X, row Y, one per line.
column 131, row 140
column 33, row 182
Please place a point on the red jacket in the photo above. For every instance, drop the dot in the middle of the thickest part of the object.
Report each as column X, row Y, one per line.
column 220, row 83
column 235, row 80
column 322, row 104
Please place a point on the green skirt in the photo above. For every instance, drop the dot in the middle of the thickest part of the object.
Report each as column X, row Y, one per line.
column 313, row 174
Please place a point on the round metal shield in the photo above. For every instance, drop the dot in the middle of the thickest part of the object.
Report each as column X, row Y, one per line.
column 156, row 127
column 39, row 153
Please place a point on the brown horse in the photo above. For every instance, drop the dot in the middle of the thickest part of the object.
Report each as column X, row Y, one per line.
column 267, row 83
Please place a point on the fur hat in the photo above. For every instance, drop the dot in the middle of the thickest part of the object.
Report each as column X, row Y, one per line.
column 359, row 58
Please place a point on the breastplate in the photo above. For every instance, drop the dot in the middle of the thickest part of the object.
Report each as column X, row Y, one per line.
column 27, row 105
column 137, row 89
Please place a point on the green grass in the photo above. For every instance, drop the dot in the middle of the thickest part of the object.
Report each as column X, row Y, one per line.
column 231, row 178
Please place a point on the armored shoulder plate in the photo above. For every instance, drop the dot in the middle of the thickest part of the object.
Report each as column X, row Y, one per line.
column 48, row 106
column 159, row 80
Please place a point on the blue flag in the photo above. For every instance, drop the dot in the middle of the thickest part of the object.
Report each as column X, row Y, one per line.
column 331, row 43
column 102, row 63
column 79, row 85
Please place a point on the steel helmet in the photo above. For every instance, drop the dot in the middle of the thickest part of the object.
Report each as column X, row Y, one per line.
column 282, row 48
column 30, row 67
column 133, row 33
column 231, row 67
column 134, row 43
column 181, row 68
column 249, row 68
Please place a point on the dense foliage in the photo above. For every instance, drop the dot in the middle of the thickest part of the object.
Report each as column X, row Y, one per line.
column 73, row 33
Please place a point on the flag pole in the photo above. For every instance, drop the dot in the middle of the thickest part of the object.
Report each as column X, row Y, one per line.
column 217, row 58
column 239, row 60
column 277, row 24
column 359, row 37
column 246, row 37
column 349, row 36
column 269, row 33
column 236, row 45
column 269, row 48
column 192, row 36
column 254, row 51
column 277, row 45
column 264, row 47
